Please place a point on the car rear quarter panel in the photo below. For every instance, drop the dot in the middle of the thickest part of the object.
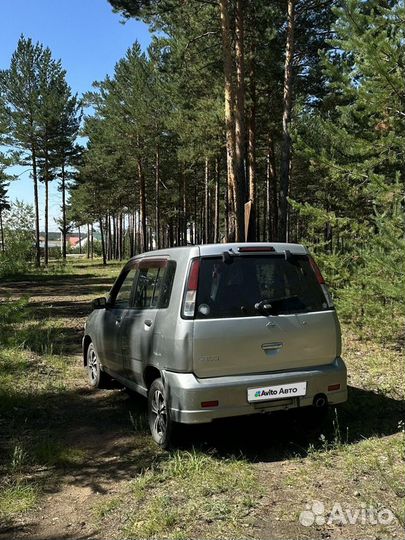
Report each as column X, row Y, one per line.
column 176, row 334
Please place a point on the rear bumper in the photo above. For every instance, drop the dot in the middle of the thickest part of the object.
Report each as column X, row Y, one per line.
column 187, row 392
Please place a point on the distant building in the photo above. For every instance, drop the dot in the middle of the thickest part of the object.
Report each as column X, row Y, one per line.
column 73, row 241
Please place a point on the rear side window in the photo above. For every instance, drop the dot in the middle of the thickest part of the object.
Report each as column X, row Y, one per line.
column 232, row 290
column 154, row 286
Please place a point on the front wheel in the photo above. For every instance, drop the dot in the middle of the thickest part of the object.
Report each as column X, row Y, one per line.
column 160, row 423
column 97, row 377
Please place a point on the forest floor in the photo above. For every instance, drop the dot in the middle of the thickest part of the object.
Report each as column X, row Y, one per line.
column 78, row 464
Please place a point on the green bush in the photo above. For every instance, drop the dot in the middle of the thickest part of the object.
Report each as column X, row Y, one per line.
column 18, row 240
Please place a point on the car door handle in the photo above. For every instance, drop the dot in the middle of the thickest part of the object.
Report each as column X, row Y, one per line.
column 118, row 320
column 148, row 322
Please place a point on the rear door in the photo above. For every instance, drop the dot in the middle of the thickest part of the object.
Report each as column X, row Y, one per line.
column 299, row 329
column 113, row 319
column 140, row 335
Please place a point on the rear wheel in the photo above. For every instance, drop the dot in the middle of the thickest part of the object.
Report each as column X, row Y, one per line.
column 97, row 377
column 160, row 423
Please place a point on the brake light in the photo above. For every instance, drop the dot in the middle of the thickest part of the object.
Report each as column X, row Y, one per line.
column 333, row 387
column 191, row 289
column 259, row 249
column 208, row 404
column 316, row 270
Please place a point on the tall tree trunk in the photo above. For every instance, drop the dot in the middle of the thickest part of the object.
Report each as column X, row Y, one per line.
column 184, row 199
column 216, row 204
column 252, row 148
column 3, row 249
column 115, row 234
column 286, row 139
column 235, row 210
column 240, row 146
column 80, row 240
column 92, row 241
column 88, row 241
column 194, row 229
column 157, row 199
column 206, row 201
column 108, row 236
column 102, row 241
column 46, row 216
column 226, row 212
column 272, row 204
column 171, row 233
column 134, row 233
column 142, row 205
column 36, row 206
column 64, row 231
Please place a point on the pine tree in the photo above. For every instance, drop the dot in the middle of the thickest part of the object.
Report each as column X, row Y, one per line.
column 20, row 88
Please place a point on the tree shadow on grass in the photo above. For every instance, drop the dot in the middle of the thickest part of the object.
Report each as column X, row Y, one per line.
column 63, row 285
column 78, row 438
column 100, row 424
column 61, row 309
column 42, row 339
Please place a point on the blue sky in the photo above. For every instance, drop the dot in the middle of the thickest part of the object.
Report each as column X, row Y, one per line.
column 89, row 39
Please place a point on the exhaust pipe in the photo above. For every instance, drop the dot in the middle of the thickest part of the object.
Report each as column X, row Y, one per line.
column 320, row 401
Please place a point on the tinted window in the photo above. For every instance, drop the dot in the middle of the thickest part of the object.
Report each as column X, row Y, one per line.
column 232, row 290
column 167, row 285
column 123, row 296
column 154, row 286
column 147, row 288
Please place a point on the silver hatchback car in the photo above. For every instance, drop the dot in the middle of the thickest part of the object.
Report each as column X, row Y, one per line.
column 214, row 331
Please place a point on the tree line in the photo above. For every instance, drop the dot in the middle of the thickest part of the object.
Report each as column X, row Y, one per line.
column 241, row 121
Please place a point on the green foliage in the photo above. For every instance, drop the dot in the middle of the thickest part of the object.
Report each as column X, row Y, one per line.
column 18, row 239
column 353, row 209
column 373, row 299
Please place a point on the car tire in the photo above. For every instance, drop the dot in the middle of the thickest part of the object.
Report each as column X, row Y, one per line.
column 161, row 425
column 96, row 376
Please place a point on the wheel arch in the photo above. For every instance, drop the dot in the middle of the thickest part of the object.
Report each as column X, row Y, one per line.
column 150, row 374
column 86, row 342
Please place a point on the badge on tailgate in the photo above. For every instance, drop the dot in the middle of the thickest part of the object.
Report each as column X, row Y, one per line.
column 277, row 392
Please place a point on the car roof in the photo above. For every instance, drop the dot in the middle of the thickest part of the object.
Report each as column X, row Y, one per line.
column 205, row 250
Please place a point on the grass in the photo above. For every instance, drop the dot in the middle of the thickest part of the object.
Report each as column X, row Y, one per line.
column 185, row 494
column 17, row 499
column 53, row 453
column 354, row 468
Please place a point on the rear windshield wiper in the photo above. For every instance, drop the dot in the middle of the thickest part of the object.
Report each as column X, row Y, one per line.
column 273, row 305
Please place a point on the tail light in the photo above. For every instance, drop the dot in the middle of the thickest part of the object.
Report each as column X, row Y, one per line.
column 320, row 279
column 316, row 270
column 191, row 289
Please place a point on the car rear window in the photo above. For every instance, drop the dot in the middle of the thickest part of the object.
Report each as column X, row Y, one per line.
column 232, row 290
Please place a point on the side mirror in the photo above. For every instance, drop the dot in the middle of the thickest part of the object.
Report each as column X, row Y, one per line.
column 99, row 303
